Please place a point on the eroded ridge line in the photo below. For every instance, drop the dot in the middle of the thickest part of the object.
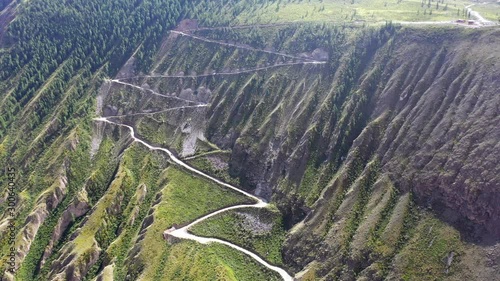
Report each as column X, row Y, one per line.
column 151, row 91
column 183, row 232
column 240, row 46
column 222, row 73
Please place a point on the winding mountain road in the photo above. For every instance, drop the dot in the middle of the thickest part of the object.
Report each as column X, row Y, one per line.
column 151, row 91
column 243, row 26
column 157, row 112
column 217, row 73
column 183, row 232
column 474, row 14
column 477, row 16
column 242, row 46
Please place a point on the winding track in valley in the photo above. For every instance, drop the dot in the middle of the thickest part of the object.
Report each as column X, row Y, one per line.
column 151, row 91
column 475, row 14
column 217, row 73
column 183, row 232
column 478, row 16
column 243, row 26
column 242, row 46
column 157, row 112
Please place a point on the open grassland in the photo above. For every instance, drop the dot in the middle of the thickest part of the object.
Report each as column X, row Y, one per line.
column 490, row 11
column 362, row 10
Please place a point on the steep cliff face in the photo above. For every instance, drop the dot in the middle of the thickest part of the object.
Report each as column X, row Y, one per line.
column 448, row 132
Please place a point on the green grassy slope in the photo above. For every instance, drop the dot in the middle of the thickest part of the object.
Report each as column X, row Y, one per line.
column 367, row 11
column 259, row 230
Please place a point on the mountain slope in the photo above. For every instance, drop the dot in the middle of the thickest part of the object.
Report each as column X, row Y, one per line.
column 377, row 146
column 349, row 145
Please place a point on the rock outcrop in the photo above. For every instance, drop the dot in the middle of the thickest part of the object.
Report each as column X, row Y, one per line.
column 45, row 204
column 75, row 210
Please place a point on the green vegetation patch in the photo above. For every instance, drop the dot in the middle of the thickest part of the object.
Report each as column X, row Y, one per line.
column 433, row 251
column 215, row 165
column 192, row 261
column 490, row 11
column 258, row 230
column 353, row 10
column 183, row 199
